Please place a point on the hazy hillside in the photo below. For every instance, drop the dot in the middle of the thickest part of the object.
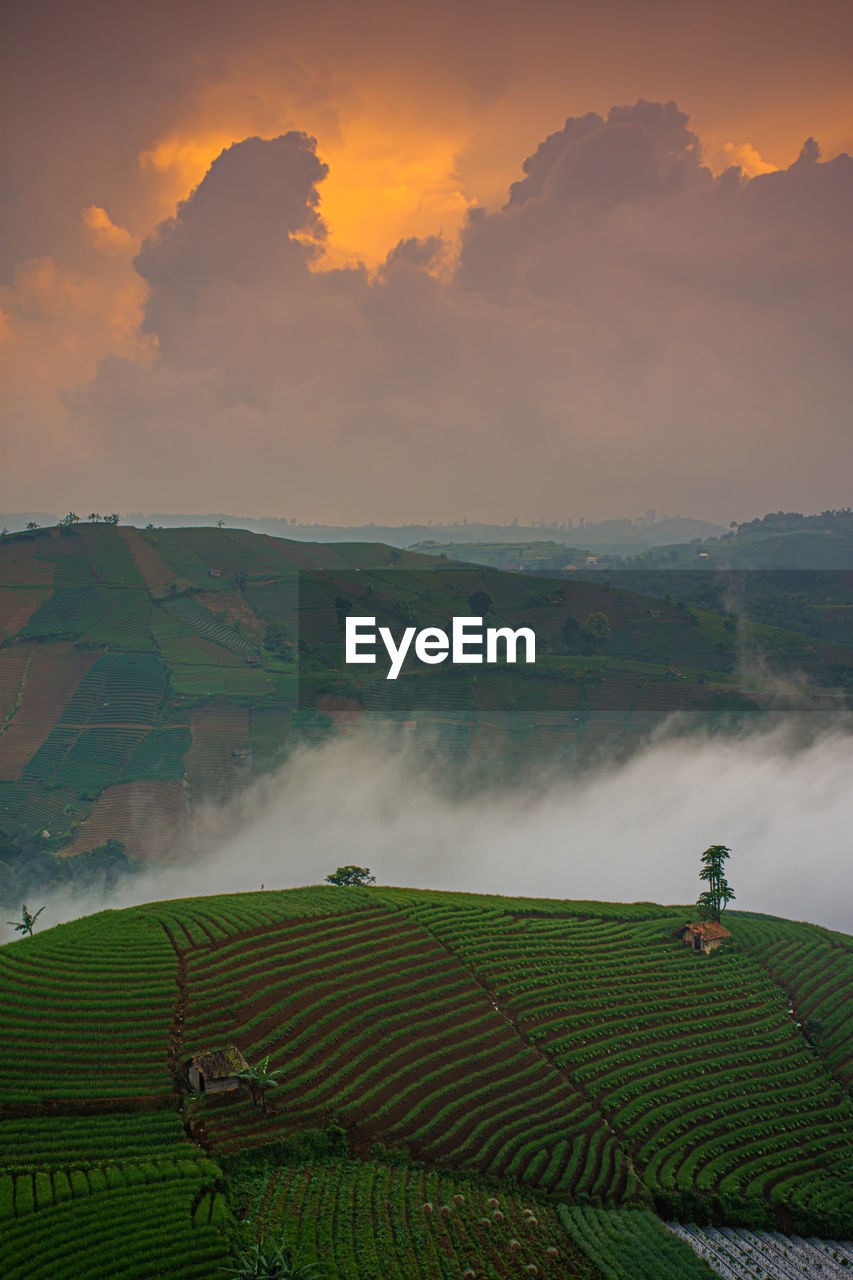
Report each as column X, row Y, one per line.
column 565, row 1071
column 143, row 671
column 619, row 537
column 780, row 540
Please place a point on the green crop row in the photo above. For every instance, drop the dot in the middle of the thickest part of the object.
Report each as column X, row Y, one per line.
column 121, row 687
column 137, row 1232
column 160, row 754
column 386, row 1223
column 673, row 1051
column 106, row 1038
column 384, row 1022
column 49, row 1140
column 25, row 1191
column 630, row 1244
column 238, row 912
column 209, row 626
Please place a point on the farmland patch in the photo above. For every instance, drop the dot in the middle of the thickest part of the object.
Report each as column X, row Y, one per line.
column 55, row 672
column 148, row 817
column 219, row 759
column 375, row 1024
column 374, row 1219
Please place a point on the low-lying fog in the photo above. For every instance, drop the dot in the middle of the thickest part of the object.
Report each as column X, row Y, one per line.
column 627, row 832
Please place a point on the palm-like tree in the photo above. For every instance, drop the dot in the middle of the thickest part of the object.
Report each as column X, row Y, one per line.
column 31, row 526
column 94, row 516
column 259, row 1079
column 26, row 922
column 719, row 892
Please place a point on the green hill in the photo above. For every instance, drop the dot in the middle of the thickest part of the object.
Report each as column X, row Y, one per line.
column 779, row 540
column 466, row 1082
column 144, row 671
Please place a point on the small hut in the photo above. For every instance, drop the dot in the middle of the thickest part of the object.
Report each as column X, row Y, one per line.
column 705, row 936
column 217, row 1071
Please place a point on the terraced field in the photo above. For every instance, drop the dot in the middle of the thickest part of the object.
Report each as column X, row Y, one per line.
column 17, row 606
column 48, row 682
column 698, row 1068
column 540, row 1074
column 107, row 997
column 148, row 817
column 353, row 1044
column 14, row 665
column 219, row 759
column 377, row 1222
column 156, row 573
column 815, row 972
column 138, row 1221
column 630, row 1244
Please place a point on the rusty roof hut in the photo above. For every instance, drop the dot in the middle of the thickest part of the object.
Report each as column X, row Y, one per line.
column 217, row 1071
column 706, row 936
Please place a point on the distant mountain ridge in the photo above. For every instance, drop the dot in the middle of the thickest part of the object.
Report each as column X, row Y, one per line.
column 618, row 537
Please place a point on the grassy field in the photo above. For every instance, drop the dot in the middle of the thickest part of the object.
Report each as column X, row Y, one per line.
column 571, row 1062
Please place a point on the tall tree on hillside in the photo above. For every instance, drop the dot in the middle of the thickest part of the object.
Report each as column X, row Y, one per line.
column 479, row 602
column 596, row 631
column 719, row 893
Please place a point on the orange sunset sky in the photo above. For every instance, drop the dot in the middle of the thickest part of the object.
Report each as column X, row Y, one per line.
column 359, row 321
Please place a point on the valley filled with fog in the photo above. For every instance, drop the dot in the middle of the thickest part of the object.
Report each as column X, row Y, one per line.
column 632, row 830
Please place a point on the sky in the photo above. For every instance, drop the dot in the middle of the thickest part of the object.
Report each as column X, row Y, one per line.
column 395, row 262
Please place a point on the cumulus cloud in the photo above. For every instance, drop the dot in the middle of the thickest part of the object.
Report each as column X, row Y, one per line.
column 627, row 331
column 236, row 228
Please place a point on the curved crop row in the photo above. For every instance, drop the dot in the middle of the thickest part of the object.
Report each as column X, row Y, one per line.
column 372, row 1021
column 139, row 1232
column 674, row 1049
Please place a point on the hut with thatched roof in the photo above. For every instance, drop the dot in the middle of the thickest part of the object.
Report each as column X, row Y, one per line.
column 705, row 936
column 217, row 1070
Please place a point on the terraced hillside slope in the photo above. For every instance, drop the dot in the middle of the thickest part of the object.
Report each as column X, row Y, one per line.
column 143, row 672
column 565, row 1059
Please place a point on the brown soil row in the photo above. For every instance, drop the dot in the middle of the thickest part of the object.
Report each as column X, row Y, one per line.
column 87, row 1106
column 157, row 573
column 55, row 673
column 17, row 606
column 309, row 997
column 147, row 817
column 294, row 933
